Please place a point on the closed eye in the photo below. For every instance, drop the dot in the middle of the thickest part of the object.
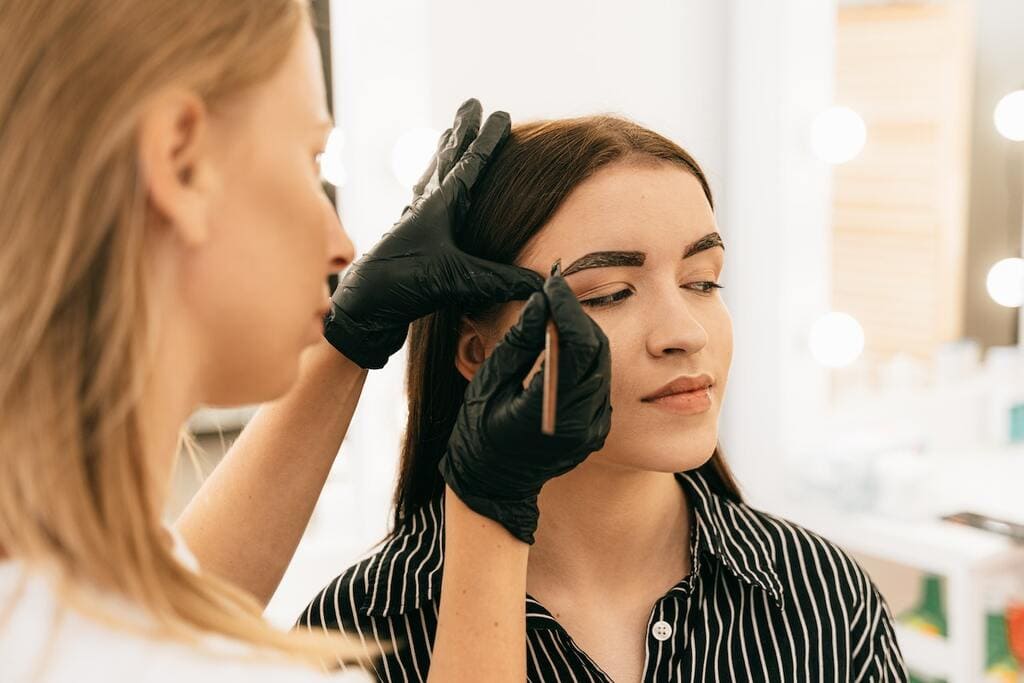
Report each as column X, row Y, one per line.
column 706, row 287
column 608, row 300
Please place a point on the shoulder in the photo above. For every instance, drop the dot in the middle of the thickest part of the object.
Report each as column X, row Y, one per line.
column 402, row 578
column 826, row 593
column 40, row 639
column 373, row 593
column 340, row 605
column 375, row 605
column 176, row 663
column 797, row 567
column 387, row 603
column 810, row 568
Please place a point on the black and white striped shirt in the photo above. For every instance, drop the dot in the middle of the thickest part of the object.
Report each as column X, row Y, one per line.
column 765, row 601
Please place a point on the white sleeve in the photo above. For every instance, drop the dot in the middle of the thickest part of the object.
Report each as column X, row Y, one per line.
column 203, row 669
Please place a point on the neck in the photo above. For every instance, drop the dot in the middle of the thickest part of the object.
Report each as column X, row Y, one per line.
column 608, row 528
column 172, row 390
column 165, row 408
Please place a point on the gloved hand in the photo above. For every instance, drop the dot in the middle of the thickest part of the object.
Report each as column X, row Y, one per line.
column 497, row 458
column 416, row 268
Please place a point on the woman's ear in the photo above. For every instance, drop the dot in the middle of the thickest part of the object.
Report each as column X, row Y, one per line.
column 173, row 147
column 470, row 350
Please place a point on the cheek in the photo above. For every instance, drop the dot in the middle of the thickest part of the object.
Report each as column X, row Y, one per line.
column 273, row 217
column 254, row 287
column 720, row 340
column 250, row 330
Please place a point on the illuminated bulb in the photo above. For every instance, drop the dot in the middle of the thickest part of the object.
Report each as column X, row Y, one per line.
column 331, row 167
column 838, row 135
column 1005, row 282
column 836, row 340
column 412, row 153
column 1009, row 116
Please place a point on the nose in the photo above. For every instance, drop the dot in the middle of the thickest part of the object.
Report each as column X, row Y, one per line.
column 340, row 250
column 673, row 329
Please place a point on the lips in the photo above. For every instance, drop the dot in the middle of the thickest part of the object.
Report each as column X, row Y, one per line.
column 681, row 385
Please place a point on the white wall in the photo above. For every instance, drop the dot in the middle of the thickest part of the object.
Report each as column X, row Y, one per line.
column 776, row 209
column 656, row 61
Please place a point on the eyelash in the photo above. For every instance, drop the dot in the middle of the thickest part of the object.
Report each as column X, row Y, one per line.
column 603, row 301
column 705, row 288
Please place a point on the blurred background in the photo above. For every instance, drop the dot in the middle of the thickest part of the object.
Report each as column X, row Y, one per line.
column 866, row 159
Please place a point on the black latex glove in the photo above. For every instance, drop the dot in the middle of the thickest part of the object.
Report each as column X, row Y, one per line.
column 416, row 268
column 497, row 458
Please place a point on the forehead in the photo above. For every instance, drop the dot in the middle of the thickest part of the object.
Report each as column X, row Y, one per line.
column 654, row 208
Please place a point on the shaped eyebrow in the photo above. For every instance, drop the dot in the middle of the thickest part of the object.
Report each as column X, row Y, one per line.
column 613, row 259
column 606, row 259
column 709, row 241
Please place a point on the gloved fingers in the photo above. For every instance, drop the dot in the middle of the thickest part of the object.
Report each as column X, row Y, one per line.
column 584, row 366
column 431, row 179
column 580, row 338
column 457, row 185
column 590, row 368
column 583, row 416
column 464, row 131
column 489, row 282
column 451, row 146
column 514, row 355
column 584, row 375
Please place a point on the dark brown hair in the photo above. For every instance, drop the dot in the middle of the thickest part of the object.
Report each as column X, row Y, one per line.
column 528, row 178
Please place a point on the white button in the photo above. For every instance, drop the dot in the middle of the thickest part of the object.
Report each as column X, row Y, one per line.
column 662, row 631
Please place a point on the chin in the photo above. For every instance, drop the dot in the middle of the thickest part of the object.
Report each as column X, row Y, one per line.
column 674, row 462
column 661, row 451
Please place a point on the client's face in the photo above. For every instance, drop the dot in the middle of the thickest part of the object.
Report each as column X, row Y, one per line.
column 640, row 247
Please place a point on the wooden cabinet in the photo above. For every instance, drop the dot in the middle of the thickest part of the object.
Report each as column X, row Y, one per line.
column 900, row 208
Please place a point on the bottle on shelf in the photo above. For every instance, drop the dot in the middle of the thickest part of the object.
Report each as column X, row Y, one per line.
column 929, row 615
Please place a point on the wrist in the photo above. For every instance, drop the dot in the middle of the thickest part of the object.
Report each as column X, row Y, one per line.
column 367, row 349
column 518, row 516
column 463, row 520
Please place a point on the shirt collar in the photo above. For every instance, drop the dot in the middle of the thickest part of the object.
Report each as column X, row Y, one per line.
column 406, row 572
column 732, row 534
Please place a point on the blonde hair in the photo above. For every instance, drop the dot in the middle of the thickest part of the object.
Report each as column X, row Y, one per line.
column 76, row 492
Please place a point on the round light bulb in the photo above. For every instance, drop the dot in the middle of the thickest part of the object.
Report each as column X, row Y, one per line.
column 1005, row 282
column 838, row 134
column 836, row 340
column 331, row 167
column 412, row 153
column 1009, row 116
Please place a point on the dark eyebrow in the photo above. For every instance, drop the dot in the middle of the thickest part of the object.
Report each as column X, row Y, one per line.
column 606, row 259
column 709, row 241
column 612, row 259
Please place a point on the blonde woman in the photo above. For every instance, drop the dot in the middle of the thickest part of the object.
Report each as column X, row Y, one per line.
column 164, row 244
